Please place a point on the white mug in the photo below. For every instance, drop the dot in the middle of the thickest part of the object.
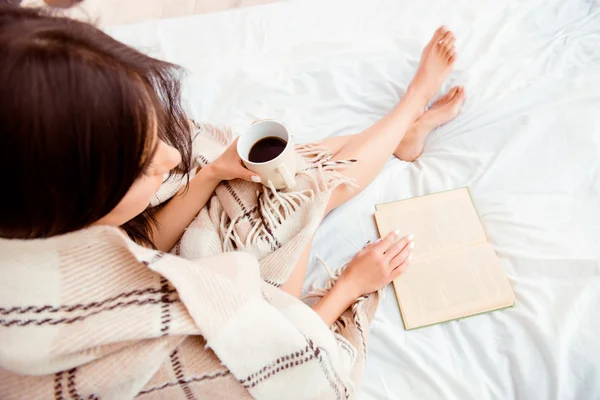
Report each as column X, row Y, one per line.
column 281, row 170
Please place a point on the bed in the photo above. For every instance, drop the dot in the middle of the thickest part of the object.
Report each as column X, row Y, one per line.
column 527, row 144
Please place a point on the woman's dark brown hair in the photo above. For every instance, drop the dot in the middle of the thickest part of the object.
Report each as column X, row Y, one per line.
column 75, row 123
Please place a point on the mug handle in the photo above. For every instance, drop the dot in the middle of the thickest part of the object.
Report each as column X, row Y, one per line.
column 288, row 178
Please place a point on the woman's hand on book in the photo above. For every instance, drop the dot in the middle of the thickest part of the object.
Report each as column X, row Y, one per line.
column 378, row 264
column 371, row 269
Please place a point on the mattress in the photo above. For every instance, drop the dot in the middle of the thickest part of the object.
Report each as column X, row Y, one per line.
column 527, row 144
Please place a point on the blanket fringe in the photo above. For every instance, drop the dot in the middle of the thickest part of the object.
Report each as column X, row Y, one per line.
column 274, row 206
column 313, row 153
column 318, row 292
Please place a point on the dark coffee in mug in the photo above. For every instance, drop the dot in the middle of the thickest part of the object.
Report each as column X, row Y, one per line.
column 266, row 149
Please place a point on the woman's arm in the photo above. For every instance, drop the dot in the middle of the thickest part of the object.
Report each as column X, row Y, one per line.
column 335, row 302
column 371, row 269
column 175, row 216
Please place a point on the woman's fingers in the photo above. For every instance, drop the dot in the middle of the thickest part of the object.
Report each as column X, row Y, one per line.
column 400, row 251
column 400, row 269
column 248, row 175
column 238, row 170
column 397, row 247
column 402, row 256
column 384, row 244
column 390, row 246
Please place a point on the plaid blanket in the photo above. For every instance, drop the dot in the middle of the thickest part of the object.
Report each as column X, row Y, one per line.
column 92, row 315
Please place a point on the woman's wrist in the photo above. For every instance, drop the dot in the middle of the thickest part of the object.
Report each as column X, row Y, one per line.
column 210, row 175
column 336, row 301
column 350, row 289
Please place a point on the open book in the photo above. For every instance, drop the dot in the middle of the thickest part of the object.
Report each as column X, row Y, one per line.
column 454, row 272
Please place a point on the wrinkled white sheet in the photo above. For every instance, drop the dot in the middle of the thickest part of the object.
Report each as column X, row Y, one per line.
column 527, row 144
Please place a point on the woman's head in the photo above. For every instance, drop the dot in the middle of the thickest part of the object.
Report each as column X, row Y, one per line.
column 88, row 127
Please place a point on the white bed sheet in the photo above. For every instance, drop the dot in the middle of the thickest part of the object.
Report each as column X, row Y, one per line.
column 527, row 144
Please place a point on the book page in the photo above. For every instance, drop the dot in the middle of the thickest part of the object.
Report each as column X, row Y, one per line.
column 441, row 222
column 453, row 285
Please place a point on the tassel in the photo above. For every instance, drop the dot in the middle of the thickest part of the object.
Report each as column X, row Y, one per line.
column 275, row 207
column 313, row 154
column 319, row 292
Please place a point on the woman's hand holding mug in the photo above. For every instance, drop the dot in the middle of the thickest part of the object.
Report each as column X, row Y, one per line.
column 267, row 148
column 229, row 166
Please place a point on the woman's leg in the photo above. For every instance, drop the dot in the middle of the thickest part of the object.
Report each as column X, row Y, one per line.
column 373, row 147
column 335, row 145
column 444, row 110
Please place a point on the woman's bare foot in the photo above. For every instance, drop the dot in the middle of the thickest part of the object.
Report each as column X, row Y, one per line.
column 444, row 110
column 436, row 64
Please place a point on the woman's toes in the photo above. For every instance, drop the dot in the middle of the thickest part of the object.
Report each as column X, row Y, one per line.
column 451, row 51
column 439, row 33
column 449, row 96
column 436, row 38
column 458, row 100
column 452, row 92
column 446, row 98
column 444, row 40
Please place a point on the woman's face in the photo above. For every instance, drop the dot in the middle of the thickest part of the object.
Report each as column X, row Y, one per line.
column 139, row 195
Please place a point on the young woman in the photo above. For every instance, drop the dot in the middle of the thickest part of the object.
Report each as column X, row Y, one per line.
column 88, row 129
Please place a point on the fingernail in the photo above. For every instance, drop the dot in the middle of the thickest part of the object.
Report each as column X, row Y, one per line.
column 396, row 232
column 410, row 257
column 411, row 245
column 255, row 178
column 378, row 240
column 410, row 237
